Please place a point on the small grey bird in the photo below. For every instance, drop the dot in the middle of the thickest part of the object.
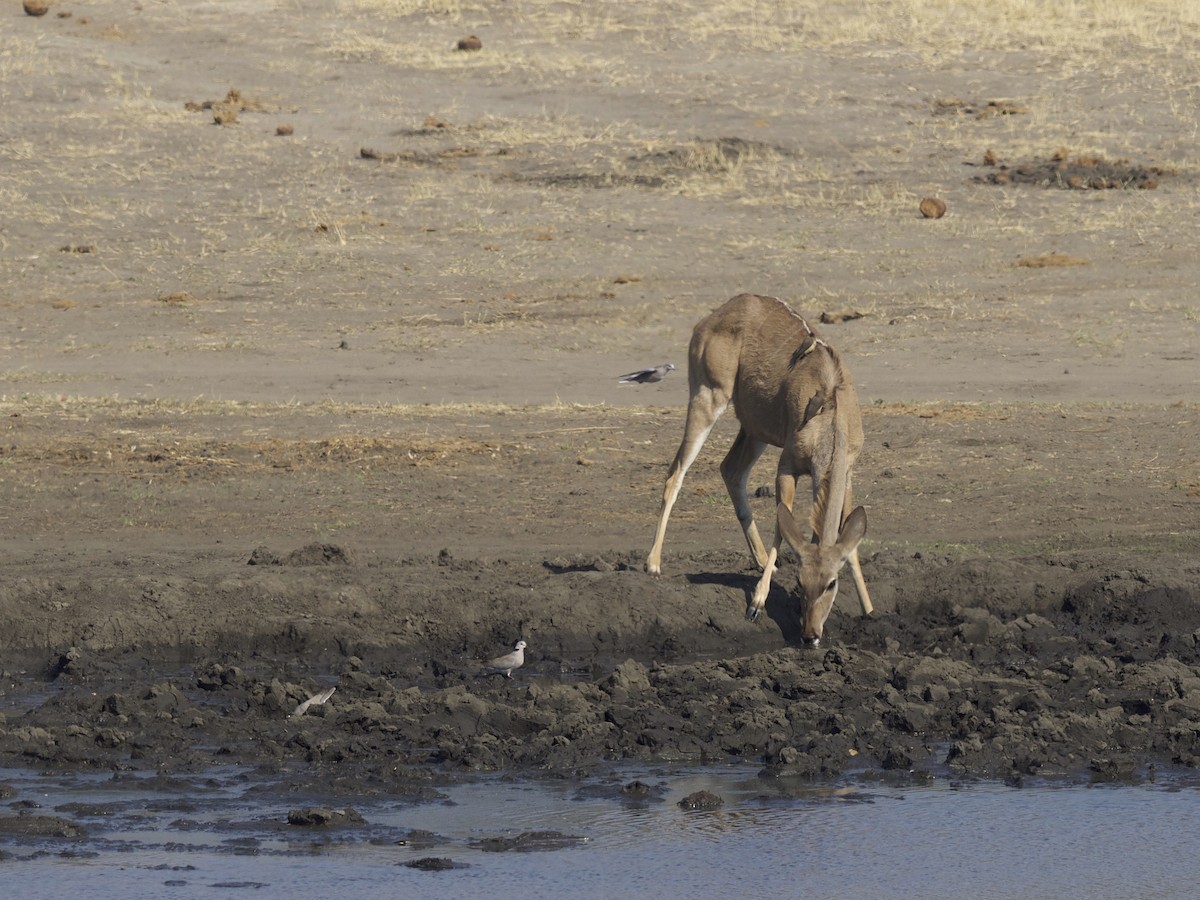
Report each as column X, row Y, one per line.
column 314, row 700
column 504, row 665
column 647, row 376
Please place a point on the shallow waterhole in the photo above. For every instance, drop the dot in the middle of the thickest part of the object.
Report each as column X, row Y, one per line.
column 227, row 828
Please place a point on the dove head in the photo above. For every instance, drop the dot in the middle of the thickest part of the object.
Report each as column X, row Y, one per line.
column 521, row 645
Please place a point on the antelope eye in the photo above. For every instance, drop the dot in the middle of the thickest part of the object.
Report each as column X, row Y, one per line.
column 831, row 586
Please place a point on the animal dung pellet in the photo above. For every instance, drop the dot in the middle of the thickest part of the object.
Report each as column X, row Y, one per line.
column 932, row 208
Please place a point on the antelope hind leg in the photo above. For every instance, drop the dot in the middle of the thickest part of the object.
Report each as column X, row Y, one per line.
column 735, row 470
column 704, row 409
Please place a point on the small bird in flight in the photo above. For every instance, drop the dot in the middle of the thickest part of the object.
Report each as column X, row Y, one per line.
column 504, row 665
column 647, row 376
column 314, row 700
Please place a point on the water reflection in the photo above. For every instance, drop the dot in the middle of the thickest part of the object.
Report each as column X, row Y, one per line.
column 768, row 838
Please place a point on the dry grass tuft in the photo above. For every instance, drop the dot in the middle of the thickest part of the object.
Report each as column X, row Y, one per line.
column 226, row 110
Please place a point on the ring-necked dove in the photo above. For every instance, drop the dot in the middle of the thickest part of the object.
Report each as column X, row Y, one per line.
column 504, row 665
column 314, row 700
column 647, row 376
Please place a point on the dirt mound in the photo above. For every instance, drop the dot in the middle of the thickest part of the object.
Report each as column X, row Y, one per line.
column 1082, row 173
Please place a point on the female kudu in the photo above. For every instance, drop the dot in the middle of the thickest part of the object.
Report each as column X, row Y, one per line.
column 789, row 389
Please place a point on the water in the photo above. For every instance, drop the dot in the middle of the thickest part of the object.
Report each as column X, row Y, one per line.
column 224, row 834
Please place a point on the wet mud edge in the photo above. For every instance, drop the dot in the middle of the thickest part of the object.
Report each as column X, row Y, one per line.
column 1065, row 667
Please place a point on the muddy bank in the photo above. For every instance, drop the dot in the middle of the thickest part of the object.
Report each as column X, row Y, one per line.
column 177, row 580
column 1002, row 669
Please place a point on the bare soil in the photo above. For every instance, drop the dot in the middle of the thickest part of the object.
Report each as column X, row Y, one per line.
column 335, row 403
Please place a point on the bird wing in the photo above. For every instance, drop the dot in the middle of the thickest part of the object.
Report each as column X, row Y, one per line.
column 635, row 376
column 324, row 696
column 314, row 700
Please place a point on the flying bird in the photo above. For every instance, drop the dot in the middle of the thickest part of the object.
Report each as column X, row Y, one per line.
column 647, row 376
column 314, row 700
column 504, row 665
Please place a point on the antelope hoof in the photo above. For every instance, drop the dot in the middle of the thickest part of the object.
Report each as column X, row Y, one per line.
column 752, row 613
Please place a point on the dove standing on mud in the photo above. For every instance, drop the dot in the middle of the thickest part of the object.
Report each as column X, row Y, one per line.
column 504, row 665
column 647, row 376
column 314, row 700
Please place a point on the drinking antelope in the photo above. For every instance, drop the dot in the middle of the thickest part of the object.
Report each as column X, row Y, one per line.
column 789, row 389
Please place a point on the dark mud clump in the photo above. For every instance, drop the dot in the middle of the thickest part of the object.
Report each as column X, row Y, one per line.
column 41, row 826
column 308, row 555
column 529, row 842
column 702, row 800
column 1061, row 170
column 435, row 864
column 324, row 817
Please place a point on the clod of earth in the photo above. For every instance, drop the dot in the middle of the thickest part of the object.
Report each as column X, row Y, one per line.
column 470, row 43
column 36, row 7
column 932, row 208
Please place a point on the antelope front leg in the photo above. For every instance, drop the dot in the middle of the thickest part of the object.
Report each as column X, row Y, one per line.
column 855, row 566
column 861, row 584
column 785, row 490
column 759, row 600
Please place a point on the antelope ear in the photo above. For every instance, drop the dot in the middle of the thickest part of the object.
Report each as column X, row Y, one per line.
column 853, row 531
column 788, row 528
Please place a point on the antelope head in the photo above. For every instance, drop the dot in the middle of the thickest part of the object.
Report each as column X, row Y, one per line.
column 820, row 564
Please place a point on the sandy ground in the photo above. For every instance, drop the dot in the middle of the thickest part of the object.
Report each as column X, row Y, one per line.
column 376, row 357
